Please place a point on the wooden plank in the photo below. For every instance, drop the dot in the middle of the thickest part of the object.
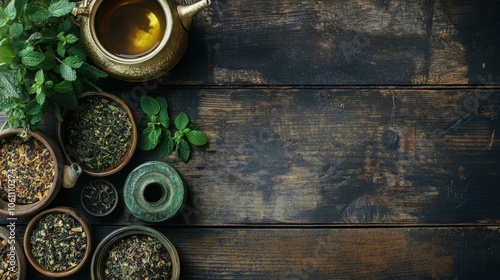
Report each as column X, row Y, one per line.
column 323, row 156
column 365, row 42
column 375, row 253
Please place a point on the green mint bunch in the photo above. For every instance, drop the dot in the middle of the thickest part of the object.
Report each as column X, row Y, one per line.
column 157, row 130
column 42, row 60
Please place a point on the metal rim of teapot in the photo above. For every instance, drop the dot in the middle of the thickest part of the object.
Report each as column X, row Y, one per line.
column 90, row 8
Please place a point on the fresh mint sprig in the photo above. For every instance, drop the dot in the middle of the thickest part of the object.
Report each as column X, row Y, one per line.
column 158, row 128
column 42, row 60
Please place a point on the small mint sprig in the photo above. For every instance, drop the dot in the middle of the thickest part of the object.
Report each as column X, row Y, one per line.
column 157, row 130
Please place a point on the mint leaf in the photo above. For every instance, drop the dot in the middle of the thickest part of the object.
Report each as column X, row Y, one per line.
column 163, row 113
column 3, row 18
column 61, row 49
column 40, row 97
column 73, row 61
column 63, row 87
column 19, row 5
column 39, row 77
column 68, row 73
column 61, row 8
column 79, row 50
column 65, row 26
column 70, row 38
column 6, row 55
column 166, row 146
column 196, row 137
column 183, row 150
column 57, row 111
column 10, row 10
column 32, row 58
column 154, row 135
column 36, row 118
column 16, row 30
column 49, row 62
column 89, row 70
column 37, row 14
column 8, row 85
column 149, row 105
column 181, row 121
column 33, row 107
column 35, row 36
column 144, row 142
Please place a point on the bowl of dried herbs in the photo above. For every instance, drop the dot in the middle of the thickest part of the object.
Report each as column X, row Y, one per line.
column 99, row 197
column 135, row 252
column 31, row 172
column 100, row 135
column 12, row 259
column 58, row 242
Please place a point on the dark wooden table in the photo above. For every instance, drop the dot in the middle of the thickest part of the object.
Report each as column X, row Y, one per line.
column 347, row 139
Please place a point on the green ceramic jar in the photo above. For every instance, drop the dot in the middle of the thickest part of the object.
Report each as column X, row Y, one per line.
column 154, row 192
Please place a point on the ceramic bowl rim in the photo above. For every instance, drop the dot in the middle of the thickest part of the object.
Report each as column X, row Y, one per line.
column 22, row 210
column 31, row 226
column 115, row 194
column 124, row 160
column 100, row 253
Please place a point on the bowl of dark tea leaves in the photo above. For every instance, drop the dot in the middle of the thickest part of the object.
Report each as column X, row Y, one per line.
column 135, row 252
column 58, row 242
column 99, row 197
column 100, row 135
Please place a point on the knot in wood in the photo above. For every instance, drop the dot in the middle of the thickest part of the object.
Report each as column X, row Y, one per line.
column 390, row 139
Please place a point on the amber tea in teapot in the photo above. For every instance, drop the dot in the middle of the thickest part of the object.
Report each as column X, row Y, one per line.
column 130, row 29
column 135, row 40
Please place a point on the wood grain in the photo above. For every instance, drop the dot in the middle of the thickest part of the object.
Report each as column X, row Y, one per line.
column 334, row 156
column 366, row 42
column 347, row 140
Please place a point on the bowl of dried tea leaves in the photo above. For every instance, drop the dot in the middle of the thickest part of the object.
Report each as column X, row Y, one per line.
column 100, row 135
column 99, row 197
column 30, row 172
column 58, row 242
column 135, row 252
column 12, row 259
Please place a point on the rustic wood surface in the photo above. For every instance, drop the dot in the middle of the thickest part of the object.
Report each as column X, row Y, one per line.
column 346, row 140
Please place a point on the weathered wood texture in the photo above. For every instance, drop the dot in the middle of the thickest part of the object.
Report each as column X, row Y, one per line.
column 343, row 43
column 325, row 156
column 352, row 139
column 392, row 253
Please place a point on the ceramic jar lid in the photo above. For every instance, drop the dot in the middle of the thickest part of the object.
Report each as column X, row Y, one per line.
column 154, row 192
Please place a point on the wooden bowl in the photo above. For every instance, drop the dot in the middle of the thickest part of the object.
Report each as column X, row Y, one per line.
column 29, row 232
column 98, row 264
column 69, row 152
column 19, row 210
column 20, row 259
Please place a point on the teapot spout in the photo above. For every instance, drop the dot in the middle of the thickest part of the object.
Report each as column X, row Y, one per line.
column 187, row 13
column 70, row 175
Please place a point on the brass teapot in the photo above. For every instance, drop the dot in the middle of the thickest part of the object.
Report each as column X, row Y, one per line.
column 136, row 40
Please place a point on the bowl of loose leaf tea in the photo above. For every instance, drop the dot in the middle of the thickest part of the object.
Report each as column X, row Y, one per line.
column 135, row 252
column 12, row 259
column 30, row 172
column 99, row 197
column 58, row 242
column 100, row 135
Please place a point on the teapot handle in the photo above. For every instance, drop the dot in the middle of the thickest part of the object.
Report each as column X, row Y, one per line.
column 82, row 8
